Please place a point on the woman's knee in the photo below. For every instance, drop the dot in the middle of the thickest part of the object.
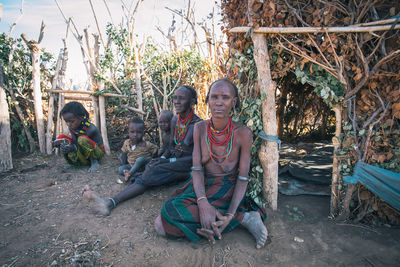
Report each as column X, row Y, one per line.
column 159, row 226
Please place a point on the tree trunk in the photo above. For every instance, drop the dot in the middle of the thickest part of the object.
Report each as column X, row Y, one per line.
column 268, row 153
column 5, row 130
column 335, row 198
column 103, row 124
column 37, row 96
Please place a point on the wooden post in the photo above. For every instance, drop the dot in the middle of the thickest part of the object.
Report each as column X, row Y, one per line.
column 335, row 170
column 137, row 80
column 92, row 80
column 50, row 112
column 61, row 83
column 37, row 94
column 103, row 124
column 268, row 153
column 5, row 130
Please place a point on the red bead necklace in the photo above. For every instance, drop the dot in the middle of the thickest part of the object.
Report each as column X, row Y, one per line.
column 181, row 128
column 228, row 141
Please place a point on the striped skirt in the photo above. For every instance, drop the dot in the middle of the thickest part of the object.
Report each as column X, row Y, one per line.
column 180, row 213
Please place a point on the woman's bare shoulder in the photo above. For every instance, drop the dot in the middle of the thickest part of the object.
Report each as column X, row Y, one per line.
column 242, row 130
column 201, row 124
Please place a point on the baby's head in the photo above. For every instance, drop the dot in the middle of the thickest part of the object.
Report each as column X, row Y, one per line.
column 73, row 114
column 164, row 122
column 136, row 130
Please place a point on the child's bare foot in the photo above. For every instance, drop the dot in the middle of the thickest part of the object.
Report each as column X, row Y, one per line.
column 94, row 165
column 252, row 221
column 127, row 175
column 99, row 205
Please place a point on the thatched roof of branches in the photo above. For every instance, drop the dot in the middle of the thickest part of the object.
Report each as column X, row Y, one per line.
column 354, row 59
column 363, row 68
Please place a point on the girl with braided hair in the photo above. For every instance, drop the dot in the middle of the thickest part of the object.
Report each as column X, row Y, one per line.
column 85, row 146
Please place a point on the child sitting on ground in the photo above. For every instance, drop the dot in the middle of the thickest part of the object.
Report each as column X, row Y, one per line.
column 136, row 152
column 85, row 145
column 164, row 122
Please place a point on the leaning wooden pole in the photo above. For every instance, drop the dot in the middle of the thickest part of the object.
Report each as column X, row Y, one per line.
column 268, row 153
column 103, row 124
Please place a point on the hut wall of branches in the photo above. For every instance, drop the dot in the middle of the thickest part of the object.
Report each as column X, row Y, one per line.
column 355, row 72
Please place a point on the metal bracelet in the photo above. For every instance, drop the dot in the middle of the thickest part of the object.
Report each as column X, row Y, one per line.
column 200, row 198
column 172, row 160
column 163, row 157
column 242, row 178
column 197, row 168
column 230, row 214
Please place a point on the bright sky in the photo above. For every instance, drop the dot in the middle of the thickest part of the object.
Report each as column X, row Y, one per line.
column 151, row 13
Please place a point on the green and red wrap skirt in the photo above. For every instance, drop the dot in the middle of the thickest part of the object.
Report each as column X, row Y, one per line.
column 86, row 149
column 180, row 214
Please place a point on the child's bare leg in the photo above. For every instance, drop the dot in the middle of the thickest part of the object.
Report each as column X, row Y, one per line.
column 252, row 221
column 139, row 163
column 99, row 205
column 123, row 158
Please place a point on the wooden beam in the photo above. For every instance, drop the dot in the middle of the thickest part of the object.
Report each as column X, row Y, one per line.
column 285, row 30
column 83, row 93
column 81, row 98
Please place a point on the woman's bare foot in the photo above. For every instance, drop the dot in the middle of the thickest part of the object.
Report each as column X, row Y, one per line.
column 99, row 205
column 252, row 221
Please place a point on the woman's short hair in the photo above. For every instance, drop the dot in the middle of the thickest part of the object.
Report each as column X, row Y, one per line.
column 192, row 92
column 232, row 86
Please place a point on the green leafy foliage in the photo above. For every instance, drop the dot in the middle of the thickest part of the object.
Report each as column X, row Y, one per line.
column 326, row 86
column 250, row 115
column 17, row 68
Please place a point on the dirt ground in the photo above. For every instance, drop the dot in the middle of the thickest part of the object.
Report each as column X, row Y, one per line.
column 44, row 223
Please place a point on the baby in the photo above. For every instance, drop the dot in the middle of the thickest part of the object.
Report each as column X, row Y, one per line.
column 136, row 152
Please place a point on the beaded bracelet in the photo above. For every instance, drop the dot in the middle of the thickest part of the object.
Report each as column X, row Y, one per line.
column 200, row 198
column 242, row 178
column 197, row 168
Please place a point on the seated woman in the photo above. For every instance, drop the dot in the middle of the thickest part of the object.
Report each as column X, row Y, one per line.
column 213, row 201
column 174, row 165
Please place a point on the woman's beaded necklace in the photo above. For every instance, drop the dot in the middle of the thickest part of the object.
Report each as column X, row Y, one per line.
column 181, row 128
column 228, row 141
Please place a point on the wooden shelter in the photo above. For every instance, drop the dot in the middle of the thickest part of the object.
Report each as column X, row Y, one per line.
column 324, row 45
